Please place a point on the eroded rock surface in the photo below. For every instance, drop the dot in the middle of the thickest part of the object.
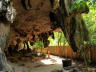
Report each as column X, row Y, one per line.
column 31, row 23
column 37, row 18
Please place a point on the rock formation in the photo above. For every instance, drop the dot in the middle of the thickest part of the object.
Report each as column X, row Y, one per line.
column 41, row 17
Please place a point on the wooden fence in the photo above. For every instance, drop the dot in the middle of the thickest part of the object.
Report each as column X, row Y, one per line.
column 66, row 51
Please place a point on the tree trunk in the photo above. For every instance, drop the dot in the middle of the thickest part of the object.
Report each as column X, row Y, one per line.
column 72, row 24
column 4, row 33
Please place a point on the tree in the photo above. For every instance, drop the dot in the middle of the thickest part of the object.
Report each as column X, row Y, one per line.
column 7, row 15
column 70, row 21
column 58, row 40
column 90, row 20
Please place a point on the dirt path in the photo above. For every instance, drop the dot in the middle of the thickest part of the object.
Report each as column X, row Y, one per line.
column 45, row 65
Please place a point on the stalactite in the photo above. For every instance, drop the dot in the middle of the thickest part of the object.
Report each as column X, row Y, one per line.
column 26, row 4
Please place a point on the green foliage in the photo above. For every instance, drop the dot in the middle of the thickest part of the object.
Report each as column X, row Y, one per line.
column 77, row 5
column 90, row 20
column 38, row 44
column 59, row 39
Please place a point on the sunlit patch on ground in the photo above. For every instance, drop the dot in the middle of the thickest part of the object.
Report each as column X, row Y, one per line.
column 52, row 60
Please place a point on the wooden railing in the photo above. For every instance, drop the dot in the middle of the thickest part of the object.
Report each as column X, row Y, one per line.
column 66, row 51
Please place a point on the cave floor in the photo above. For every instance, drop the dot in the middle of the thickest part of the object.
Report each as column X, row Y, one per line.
column 38, row 64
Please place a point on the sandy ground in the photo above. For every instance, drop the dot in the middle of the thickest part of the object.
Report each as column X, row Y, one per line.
column 41, row 65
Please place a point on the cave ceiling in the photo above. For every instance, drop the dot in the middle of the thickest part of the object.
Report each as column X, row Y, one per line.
column 31, row 22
